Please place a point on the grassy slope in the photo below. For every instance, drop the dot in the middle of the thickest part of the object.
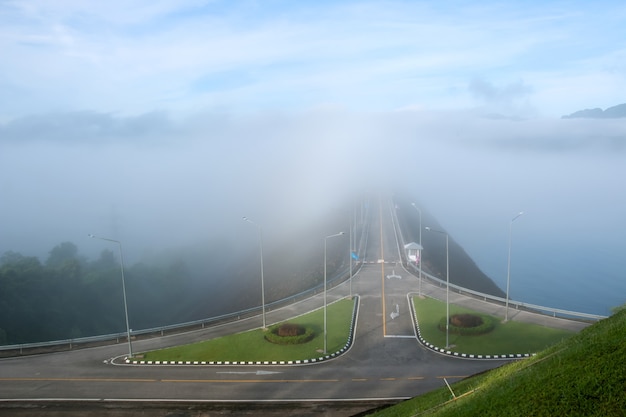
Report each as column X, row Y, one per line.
column 584, row 375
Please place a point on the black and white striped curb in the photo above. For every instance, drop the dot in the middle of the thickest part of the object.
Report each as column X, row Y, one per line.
column 448, row 352
column 344, row 349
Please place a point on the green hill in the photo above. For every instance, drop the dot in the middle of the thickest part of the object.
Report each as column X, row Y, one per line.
column 584, row 375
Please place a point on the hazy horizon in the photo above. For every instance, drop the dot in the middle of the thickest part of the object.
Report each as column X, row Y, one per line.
column 163, row 124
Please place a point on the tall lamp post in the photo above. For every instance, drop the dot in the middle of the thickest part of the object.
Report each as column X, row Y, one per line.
column 262, row 280
column 508, row 270
column 325, row 304
column 119, row 244
column 447, row 285
column 350, row 252
column 420, row 260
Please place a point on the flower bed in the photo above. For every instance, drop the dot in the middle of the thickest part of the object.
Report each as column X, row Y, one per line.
column 289, row 334
column 468, row 324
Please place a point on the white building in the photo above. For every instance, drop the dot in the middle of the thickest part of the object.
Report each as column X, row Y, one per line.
column 413, row 252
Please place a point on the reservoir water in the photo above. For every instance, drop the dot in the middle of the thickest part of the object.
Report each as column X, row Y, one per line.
column 561, row 272
column 568, row 250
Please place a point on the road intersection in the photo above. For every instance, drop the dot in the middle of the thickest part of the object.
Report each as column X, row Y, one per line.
column 386, row 361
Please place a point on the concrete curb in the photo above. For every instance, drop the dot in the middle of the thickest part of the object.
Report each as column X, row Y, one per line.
column 325, row 358
column 450, row 353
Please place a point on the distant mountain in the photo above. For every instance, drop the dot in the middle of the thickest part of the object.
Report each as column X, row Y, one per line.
column 597, row 113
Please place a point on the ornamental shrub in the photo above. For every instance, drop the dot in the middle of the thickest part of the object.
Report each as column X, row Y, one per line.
column 488, row 324
column 298, row 337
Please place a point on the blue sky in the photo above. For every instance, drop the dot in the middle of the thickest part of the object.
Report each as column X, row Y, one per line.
column 530, row 59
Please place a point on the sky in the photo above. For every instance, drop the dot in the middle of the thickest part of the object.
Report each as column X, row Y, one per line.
column 131, row 57
column 164, row 122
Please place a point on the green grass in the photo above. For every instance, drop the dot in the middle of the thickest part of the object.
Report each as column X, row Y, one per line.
column 252, row 346
column 505, row 338
column 581, row 376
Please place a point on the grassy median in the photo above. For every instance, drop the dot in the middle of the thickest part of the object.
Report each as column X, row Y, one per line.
column 506, row 338
column 252, row 346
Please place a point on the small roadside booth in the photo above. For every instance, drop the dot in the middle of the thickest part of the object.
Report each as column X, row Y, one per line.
column 413, row 252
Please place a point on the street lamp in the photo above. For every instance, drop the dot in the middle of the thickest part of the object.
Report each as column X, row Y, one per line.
column 119, row 244
column 325, row 304
column 350, row 251
column 420, row 260
column 508, row 272
column 447, row 285
column 262, row 280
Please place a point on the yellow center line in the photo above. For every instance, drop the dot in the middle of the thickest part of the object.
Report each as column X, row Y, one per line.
column 81, row 379
column 211, row 381
column 249, row 381
column 134, row 380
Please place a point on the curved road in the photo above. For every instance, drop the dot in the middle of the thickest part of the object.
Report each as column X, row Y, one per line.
column 385, row 361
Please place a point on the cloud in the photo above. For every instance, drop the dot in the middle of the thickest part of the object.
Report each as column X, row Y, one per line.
column 157, row 182
column 162, row 123
column 85, row 127
column 507, row 94
column 139, row 57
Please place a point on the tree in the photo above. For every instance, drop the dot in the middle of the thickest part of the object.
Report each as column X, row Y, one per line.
column 10, row 257
column 107, row 260
column 61, row 253
column 25, row 267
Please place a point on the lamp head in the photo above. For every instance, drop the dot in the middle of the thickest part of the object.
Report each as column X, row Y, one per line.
column 518, row 215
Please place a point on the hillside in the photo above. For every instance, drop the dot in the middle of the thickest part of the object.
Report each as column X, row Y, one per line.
column 582, row 376
column 463, row 269
column 597, row 113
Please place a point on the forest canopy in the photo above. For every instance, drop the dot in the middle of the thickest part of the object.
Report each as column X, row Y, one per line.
column 70, row 296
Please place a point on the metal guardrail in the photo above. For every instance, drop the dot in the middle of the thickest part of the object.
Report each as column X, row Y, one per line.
column 340, row 276
column 201, row 323
column 517, row 304
column 459, row 289
column 123, row 335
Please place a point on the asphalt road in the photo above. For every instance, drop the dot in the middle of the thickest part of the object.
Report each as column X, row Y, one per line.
column 385, row 362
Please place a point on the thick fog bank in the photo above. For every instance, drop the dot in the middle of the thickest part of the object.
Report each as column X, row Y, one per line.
column 154, row 181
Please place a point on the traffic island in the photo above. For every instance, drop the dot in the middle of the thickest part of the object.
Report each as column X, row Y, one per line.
column 253, row 345
column 471, row 333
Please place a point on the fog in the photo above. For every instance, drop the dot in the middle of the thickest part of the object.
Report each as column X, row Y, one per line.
column 156, row 182
column 162, row 125
column 191, row 181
